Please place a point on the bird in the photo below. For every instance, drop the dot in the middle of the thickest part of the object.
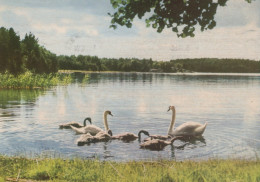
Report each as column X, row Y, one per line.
column 92, row 129
column 161, row 137
column 157, row 144
column 75, row 124
column 186, row 129
column 128, row 137
column 101, row 136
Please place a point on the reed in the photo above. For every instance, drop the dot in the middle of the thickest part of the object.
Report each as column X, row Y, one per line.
column 29, row 80
column 57, row 169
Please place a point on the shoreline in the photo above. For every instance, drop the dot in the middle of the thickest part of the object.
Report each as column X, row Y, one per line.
column 56, row 169
column 177, row 73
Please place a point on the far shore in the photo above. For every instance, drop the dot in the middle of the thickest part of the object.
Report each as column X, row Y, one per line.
column 175, row 73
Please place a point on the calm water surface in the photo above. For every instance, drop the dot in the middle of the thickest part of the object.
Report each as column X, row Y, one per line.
column 229, row 103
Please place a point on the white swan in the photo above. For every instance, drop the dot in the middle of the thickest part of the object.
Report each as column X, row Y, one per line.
column 186, row 129
column 92, row 129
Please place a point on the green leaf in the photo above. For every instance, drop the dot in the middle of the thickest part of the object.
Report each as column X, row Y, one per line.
column 115, row 5
column 212, row 24
column 175, row 29
column 113, row 26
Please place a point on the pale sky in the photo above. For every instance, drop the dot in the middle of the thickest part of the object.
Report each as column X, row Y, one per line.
column 82, row 27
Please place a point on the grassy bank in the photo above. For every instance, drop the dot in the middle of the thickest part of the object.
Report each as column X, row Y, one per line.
column 30, row 80
column 93, row 170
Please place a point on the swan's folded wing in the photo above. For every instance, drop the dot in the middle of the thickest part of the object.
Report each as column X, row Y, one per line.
column 92, row 129
column 78, row 130
column 188, row 128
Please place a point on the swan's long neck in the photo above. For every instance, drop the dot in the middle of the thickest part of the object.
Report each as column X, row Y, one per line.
column 85, row 120
column 105, row 121
column 144, row 132
column 171, row 127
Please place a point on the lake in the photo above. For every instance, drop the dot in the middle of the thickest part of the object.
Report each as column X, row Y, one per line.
column 230, row 103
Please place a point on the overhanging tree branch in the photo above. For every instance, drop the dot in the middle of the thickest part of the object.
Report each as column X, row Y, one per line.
column 181, row 16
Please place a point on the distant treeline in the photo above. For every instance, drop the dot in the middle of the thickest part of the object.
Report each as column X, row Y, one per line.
column 93, row 63
column 18, row 56
column 219, row 65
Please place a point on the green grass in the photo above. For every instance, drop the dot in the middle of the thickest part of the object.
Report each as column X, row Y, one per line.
column 95, row 170
column 30, row 80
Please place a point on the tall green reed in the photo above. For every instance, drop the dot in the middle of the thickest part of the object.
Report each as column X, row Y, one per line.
column 30, row 80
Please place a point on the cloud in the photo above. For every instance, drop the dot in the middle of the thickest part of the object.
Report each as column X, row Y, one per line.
column 238, row 13
column 100, row 7
column 49, row 28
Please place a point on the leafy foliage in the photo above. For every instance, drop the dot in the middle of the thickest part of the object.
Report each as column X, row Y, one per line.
column 29, row 80
column 10, row 51
column 219, row 65
column 181, row 16
column 17, row 56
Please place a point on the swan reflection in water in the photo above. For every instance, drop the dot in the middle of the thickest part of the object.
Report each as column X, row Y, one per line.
column 188, row 142
column 191, row 140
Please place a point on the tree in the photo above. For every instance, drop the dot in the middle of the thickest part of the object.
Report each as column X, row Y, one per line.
column 36, row 58
column 14, row 51
column 182, row 16
column 10, row 51
column 31, row 52
column 4, row 43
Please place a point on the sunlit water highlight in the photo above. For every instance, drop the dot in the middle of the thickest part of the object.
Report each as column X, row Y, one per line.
column 230, row 104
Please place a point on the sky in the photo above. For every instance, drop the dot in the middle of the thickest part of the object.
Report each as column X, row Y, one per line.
column 74, row 27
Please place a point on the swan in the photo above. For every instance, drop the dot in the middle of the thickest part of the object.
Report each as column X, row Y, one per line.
column 186, row 129
column 161, row 137
column 128, row 137
column 157, row 144
column 101, row 136
column 75, row 124
column 92, row 129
